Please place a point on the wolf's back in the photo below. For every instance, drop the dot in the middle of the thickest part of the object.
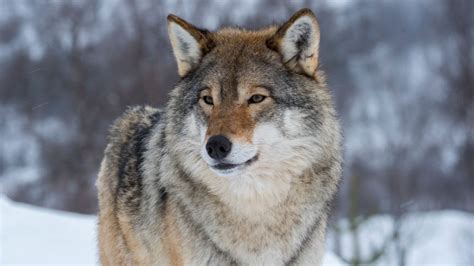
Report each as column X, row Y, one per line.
column 120, row 178
column 126, row 144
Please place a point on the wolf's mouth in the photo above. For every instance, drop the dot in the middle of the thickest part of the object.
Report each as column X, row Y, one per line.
column 229, row 166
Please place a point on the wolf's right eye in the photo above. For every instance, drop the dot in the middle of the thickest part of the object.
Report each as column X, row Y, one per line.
column 208, row 100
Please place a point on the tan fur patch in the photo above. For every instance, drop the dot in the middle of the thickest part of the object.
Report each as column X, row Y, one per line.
column 233, row 121
column 137, row 250
column 112, row 248
column 173, row 239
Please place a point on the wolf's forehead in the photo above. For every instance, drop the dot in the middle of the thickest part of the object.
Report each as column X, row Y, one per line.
column 239, row 68
column 233, row 77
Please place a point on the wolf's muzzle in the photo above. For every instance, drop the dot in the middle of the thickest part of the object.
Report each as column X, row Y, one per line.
column 218, row 147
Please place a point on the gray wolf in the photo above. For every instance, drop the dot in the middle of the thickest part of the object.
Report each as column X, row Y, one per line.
column 242, row 164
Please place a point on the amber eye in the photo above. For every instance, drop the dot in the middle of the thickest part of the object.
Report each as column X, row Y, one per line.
column 208, row 100
column 257, row 98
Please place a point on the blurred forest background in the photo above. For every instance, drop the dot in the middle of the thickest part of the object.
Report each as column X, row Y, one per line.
column 402, row 73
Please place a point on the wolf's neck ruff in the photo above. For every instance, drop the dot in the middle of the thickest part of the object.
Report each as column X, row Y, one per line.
column 242, row 164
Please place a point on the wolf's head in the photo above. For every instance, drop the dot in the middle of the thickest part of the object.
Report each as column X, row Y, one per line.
column 251, row 112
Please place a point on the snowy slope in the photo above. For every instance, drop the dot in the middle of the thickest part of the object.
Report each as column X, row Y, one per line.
column 32, row 235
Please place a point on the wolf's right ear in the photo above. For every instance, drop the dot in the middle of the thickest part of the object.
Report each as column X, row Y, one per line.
column 189, row 43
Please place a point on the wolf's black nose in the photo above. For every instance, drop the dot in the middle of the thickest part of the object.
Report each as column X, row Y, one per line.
column 218, row 147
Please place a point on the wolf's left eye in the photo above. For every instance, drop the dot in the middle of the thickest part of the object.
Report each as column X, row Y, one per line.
column 257, row 98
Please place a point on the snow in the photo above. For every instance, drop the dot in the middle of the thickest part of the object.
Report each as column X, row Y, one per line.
column 453, row 231
column 332, row 260
column 431, row 238
column 33, row 235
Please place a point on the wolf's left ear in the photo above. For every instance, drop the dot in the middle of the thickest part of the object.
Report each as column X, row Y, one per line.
column 189, row 43
column 297, row 41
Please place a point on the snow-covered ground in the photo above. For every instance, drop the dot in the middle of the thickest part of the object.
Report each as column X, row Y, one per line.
column 430, row 238
column 32, row 235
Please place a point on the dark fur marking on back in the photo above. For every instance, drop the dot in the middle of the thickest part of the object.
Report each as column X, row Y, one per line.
column 130, row 177
column 163, row 194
